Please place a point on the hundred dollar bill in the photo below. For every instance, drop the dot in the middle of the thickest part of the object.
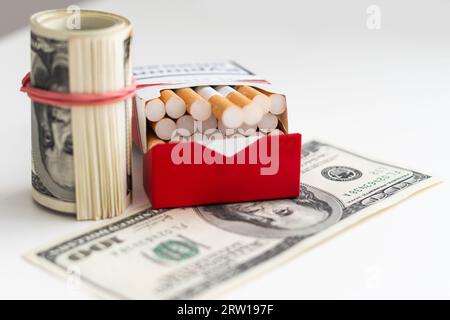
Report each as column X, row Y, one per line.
column 92, row 57
column 52, row 148
column 199, row 252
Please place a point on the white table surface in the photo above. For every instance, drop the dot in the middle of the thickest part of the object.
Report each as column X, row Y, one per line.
column 383, row 93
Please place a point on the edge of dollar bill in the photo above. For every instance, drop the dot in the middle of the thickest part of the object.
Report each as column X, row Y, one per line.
column 161, row 254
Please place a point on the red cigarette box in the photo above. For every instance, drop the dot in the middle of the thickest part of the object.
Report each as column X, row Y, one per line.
column 179, row 174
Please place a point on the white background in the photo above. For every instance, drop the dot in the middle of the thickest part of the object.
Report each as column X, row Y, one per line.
column 382, row 93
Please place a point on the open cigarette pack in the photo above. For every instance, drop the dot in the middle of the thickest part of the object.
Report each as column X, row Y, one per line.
column 213, row 133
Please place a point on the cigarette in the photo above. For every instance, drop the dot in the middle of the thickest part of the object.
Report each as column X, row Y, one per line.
column 208, row 124
column 247, row 130
column 224, row 130
column 196, row 106
column 268, row 122
column 152, row 140
column 185, row 125
column 174, row 105
column 252, row 112
column 277, row 102
column 257, row 97
column 154, row 110
column 164, row 128
column 222, row 108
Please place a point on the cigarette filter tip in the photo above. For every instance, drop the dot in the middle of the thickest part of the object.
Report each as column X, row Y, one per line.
column 210, row 123
column 253, row 114
column 277, row 103
column 268, row 122
column 200, row 110
column 154, row 110
column 233, row 117
column 258, row 98
column 164, row 128
column 185, row 125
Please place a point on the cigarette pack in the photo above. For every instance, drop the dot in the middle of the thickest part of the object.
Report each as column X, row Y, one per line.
column 202, row 171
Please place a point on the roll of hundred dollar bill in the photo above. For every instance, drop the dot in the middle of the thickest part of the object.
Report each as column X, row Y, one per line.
column 81, row 156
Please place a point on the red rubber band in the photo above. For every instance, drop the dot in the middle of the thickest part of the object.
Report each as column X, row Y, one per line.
column 64, row 99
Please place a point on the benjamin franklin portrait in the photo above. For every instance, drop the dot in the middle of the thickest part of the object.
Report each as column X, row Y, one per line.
column 52, row 146
column 313, row 211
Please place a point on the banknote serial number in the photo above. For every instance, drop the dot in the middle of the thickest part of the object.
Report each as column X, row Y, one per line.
column 227, row 310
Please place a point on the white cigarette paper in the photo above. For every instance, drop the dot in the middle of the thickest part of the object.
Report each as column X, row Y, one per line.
column 164, row 128
column 185, row 125
column 222, row 108
column 196, row 105
column 210, row 123
column 174, row 105
column 257, row 97
column 252, row 112
column 268, row 122
column 277, row 102
column 154, row 110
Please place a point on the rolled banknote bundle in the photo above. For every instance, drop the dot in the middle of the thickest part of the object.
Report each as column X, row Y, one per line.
column 81, row 156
